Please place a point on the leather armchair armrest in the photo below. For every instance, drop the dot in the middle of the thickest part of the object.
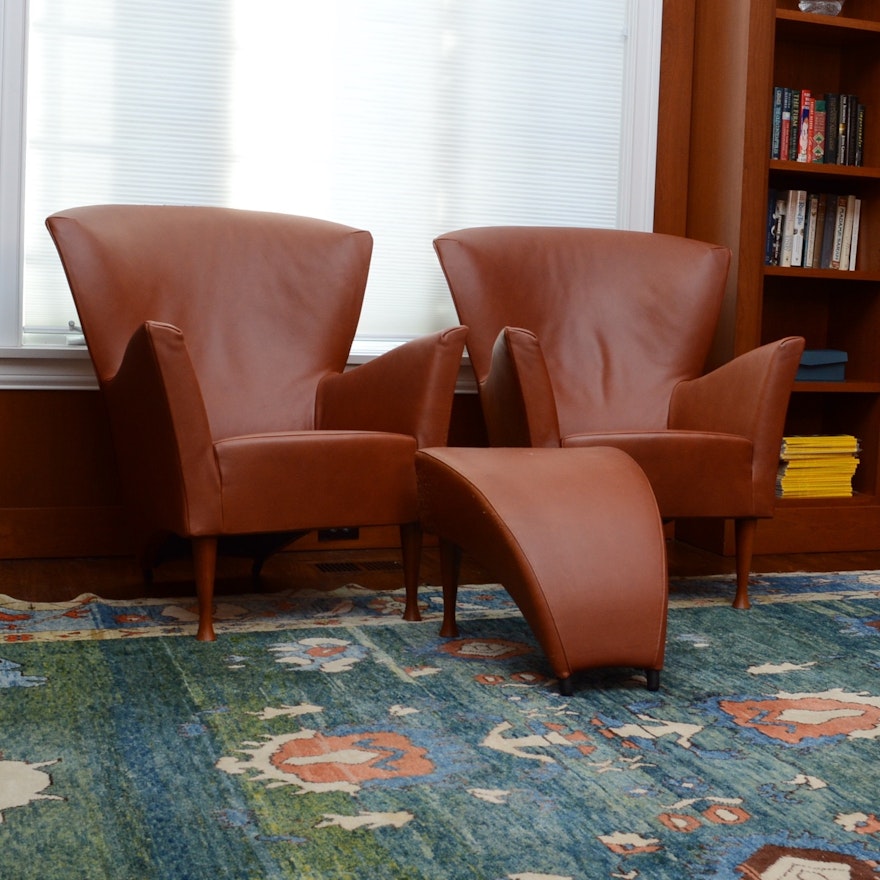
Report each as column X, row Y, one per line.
column 519, row 405
column 163, row 437
column 747, row 396
column 408, row 390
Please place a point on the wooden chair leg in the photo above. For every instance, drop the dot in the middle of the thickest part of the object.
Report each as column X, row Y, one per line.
column 205, row 564
column 411, row 548
column 744, row 534
column 450, row 567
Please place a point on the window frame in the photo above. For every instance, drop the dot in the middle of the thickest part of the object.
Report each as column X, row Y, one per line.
column 27, row 366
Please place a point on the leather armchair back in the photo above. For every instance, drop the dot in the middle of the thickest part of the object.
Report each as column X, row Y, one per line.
column 622, row 317
column 259, row 358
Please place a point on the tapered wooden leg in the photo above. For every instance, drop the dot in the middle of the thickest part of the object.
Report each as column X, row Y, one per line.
column 450, row 567
column 411, row 548
column 744, row 534
column 205, row 564
column 653, row 676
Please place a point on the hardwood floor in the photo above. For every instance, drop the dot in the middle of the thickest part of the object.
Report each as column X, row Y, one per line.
column 56, row 580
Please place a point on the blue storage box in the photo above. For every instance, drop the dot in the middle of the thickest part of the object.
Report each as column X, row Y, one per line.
column 822, row 365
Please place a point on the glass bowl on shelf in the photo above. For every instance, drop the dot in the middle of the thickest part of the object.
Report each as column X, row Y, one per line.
column 821, row 7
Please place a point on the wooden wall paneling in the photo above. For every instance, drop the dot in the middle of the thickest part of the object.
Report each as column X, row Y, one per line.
column 59, row 494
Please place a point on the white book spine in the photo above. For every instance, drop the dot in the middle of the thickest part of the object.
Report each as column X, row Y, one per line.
column 797, row 232
column 854, row 247
column 810, row 245
column 788, row 228
column 846, row 245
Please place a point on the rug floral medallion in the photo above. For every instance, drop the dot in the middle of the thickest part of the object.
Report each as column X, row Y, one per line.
column 322, row 737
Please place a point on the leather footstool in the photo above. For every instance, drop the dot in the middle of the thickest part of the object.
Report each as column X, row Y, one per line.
column 575, row 537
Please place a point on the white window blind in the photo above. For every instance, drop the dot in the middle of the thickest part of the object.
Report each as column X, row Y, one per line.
column 405, row 117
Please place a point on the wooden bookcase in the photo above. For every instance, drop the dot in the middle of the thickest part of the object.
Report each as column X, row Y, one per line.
column 742, row 49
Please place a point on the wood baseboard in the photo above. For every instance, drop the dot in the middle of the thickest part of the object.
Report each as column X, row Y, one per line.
column 818, row 528
column 70, row 532
column 62, row 532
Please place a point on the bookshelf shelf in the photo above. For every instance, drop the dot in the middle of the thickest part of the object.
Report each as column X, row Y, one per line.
column 742, row 51
column 846, row 387
column 816, row 504
column 808, row 170
column 835, row 29
column 827, row 274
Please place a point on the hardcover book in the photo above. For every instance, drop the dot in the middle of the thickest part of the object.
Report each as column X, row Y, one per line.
column 852, row 126
column 832, row 118
column 795, row 128
column 860, row 135
column 788, row 222
column 828, row 231
column 785, row 125
column 817, row 131
column 776, row 128
column 798, row 227
column 821, row 216
column 810, row 235
column 846, row 244
column 803, row 141
column 775, row 222
column 857, row 212
column 839, row 224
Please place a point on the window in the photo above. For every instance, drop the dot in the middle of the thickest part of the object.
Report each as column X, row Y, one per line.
column 407, row 119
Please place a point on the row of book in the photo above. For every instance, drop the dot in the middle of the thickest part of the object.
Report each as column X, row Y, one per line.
column 817, row 466
column 827, row 127
column 812, row 230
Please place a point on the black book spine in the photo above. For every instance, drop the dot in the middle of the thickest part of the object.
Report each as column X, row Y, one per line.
column 841, row 130
column 852, row 129
column 776, row 123
column 860, row 135
column 832, row 121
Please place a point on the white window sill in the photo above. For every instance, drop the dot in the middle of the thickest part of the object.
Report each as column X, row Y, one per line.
column 63, row 367
column 46, row 367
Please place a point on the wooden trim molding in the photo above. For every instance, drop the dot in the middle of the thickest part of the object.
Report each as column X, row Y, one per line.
column 674, row 115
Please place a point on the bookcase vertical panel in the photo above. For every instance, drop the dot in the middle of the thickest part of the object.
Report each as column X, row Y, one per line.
column 731, row 175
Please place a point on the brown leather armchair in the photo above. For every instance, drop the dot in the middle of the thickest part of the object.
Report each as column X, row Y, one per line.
column 598, row 337
column 220, row 340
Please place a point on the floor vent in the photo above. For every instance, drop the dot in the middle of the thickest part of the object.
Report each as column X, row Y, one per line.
column 369, row 565
column 331, row 567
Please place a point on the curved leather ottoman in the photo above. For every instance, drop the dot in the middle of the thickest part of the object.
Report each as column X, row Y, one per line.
column 575, row 537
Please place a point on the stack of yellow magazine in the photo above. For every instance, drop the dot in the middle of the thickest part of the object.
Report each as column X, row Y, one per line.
column 819, row 466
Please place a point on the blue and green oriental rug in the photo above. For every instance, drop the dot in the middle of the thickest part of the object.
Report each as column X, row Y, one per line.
column 323, row 738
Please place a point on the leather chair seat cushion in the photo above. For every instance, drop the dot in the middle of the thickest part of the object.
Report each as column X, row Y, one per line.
column 310, row 479
column 692, row 473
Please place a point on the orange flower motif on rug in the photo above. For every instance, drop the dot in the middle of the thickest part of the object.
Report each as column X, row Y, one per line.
column 315, row 761
column 482, row 649
column 780, row 861
column 796, row 718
